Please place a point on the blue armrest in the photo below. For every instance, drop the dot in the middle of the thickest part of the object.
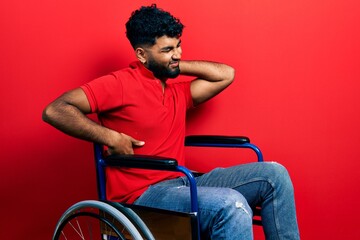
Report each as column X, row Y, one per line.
column 223, row 141
column 142, row 161
column 215, row 139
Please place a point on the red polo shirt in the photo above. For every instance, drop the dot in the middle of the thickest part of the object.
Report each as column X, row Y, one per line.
column 132, row 101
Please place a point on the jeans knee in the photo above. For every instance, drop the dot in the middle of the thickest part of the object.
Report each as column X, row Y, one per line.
column 280, row 175
column 278, row 169
column 231, row 202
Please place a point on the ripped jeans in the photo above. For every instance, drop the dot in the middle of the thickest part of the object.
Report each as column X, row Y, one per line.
column 226, row 197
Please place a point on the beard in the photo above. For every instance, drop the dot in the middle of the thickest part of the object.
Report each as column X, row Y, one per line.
column 162, row 72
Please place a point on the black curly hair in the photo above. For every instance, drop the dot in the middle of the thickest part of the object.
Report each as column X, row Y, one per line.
column 150, row 22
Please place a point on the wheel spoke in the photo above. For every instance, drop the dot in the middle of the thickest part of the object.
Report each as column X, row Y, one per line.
column 81, row 235
column 95, row 220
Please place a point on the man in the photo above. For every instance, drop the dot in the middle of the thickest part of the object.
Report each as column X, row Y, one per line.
column 141, row 111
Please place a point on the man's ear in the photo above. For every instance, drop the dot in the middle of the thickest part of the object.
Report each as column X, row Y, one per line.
column 141, row 54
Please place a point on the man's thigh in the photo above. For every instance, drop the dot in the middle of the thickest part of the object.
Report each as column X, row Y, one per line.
column 175, row 195
column 252, row 180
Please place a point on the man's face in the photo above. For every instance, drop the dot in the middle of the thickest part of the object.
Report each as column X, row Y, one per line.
column 163, row 57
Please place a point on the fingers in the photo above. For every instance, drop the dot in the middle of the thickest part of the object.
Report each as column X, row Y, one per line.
column 126, row 145
column 137, row 143
column 133, row 141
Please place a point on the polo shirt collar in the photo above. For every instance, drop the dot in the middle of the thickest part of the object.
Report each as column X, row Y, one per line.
column 143, row 70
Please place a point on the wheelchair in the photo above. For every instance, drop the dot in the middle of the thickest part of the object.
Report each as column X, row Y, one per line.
column 103, row 219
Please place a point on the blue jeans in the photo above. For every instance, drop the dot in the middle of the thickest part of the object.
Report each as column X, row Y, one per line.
column 226, row 197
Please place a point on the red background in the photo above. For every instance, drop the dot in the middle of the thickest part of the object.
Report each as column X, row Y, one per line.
column 296, row 94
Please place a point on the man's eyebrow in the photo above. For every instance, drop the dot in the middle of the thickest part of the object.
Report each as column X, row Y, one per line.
column 170, row 47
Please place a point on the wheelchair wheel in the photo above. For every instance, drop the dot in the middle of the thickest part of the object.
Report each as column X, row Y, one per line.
column 96, row 220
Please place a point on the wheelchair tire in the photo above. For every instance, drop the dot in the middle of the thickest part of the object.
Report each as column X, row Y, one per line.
column 92, row 219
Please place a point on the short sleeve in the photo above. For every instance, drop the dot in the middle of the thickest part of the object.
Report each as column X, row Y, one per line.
column 104, row 93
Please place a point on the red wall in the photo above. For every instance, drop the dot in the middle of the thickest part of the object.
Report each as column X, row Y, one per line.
column 296, row 95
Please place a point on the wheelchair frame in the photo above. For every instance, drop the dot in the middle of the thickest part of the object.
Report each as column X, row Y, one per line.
column 126, row 214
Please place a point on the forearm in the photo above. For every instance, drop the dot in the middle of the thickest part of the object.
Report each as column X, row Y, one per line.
column 209, row 71
column 212, row 78
column 70, row 120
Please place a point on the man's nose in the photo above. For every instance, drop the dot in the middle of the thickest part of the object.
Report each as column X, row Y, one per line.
column 177, row 53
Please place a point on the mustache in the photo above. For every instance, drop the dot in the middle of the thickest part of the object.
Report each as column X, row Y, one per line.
column 174, row 61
